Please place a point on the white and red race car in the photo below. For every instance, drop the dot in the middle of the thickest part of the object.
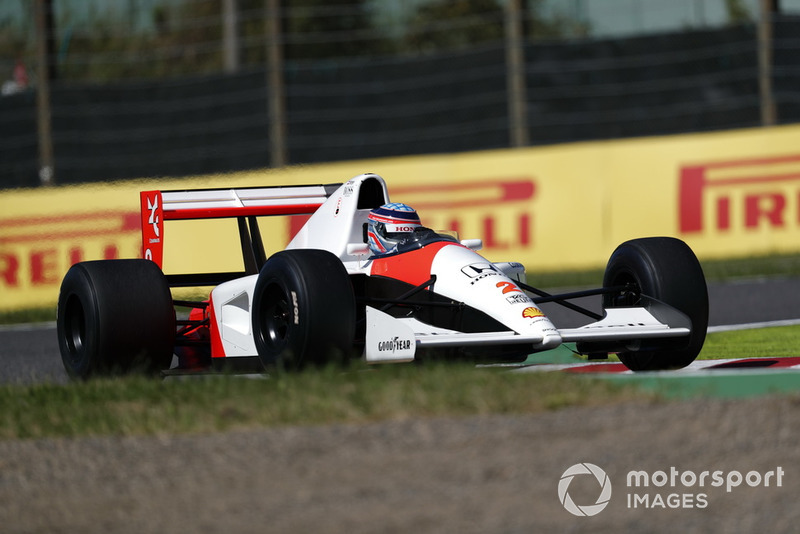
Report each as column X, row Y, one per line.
column 325, row 297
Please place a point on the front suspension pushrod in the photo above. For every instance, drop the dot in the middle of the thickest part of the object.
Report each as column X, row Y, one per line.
column 563, row 299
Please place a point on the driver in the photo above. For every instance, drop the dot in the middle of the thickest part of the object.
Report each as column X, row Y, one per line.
column 390, row 225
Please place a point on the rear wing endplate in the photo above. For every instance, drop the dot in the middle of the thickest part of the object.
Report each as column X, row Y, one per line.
column 244, row 204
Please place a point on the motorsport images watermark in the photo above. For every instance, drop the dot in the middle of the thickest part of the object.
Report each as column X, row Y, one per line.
column 584, row 469
column 658, row 489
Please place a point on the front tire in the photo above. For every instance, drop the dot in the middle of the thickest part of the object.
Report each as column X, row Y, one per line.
column 665, row 269
column 303, row 309
column 115, row 317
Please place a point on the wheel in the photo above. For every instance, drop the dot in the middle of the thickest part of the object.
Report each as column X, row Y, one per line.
column 665, row 269
column 303, row 309
column 115, row 317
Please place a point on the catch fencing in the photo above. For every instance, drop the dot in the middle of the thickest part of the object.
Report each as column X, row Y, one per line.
column 392, row 104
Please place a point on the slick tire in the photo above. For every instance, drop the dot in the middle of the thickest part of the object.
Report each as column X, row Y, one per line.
column 665, row 269
column 304, row 310
column 115, row 317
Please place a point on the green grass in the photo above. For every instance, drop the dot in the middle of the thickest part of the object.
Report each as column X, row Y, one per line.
column 774, row 342
column 139, row 406
column 359, row 394
column 34, row 315
column 775, row 265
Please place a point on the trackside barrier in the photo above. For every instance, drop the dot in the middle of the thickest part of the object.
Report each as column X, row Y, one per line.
column 728, row 194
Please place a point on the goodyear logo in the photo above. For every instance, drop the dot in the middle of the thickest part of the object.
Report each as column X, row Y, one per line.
column 394, row 344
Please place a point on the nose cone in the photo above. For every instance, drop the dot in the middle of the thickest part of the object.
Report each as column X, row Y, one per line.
column 551, row 340
column 464, row 275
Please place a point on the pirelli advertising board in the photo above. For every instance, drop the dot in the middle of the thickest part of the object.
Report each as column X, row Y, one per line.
column 729, row 194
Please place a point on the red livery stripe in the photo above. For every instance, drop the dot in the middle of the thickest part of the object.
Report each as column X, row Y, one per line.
column 210, row 213
column 412, row 267
column 217, row 349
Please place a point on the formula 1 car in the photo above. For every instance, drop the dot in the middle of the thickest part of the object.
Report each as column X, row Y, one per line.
column 325, row 297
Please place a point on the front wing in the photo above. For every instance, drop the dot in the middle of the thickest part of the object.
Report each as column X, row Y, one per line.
column 390, row 339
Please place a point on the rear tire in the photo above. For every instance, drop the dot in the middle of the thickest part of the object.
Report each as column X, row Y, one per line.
column 115, row 317
column 665, row 269
column 304, row 309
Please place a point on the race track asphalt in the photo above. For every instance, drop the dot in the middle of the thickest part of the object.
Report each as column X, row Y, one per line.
column 29, row 353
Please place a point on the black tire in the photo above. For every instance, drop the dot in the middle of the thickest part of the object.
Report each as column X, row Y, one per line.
column 115, row 317
column 304, row 309
column 665, row 269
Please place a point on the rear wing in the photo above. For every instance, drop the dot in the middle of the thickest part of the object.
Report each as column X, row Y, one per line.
column 243, row 204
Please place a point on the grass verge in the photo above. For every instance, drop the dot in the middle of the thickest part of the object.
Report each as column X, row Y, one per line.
column 140, row 406
column 774, row 342
column 359, row 394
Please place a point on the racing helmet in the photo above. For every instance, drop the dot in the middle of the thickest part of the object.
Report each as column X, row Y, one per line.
column 390, row 224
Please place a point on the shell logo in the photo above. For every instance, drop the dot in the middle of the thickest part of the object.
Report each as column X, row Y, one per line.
column 532, row 312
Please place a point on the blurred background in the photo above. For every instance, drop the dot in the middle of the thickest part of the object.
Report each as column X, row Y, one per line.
column 96, row 90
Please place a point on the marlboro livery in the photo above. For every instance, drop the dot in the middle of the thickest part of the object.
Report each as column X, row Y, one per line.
column 363, row 276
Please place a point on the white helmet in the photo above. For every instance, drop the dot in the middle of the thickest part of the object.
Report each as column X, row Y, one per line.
column 390, row 224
